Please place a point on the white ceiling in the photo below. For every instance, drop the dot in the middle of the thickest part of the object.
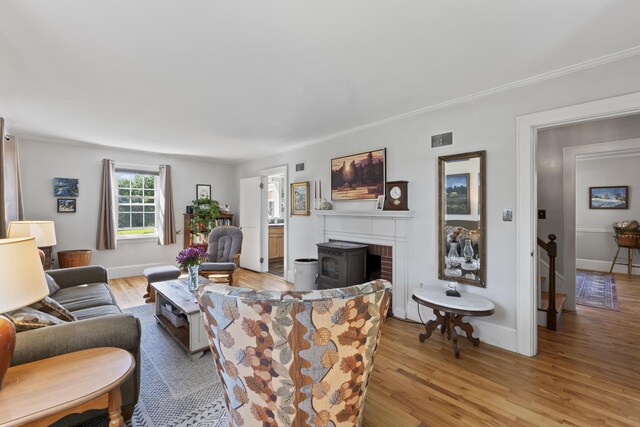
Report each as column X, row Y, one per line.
column 238, row 79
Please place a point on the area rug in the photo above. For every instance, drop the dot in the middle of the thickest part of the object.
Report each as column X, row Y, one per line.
column 596, row 290
column 174, row 390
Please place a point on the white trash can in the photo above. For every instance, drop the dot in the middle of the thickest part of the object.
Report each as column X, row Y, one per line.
column 305, row 273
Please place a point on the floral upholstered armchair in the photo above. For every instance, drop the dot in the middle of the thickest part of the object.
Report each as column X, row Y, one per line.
column 294, row 358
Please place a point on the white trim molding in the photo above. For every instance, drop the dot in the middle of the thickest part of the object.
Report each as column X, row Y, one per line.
column 526, row 201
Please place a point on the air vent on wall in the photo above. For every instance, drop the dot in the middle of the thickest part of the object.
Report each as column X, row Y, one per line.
column 442, row 140
column 299, row 167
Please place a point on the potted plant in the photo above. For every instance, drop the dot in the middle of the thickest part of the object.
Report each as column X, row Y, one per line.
column 205, row 213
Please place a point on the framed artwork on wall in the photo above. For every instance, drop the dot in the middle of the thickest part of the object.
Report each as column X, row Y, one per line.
column 609, row 197
column 358, row 176
column 65, row 187
column 66, row 205
column 457, row 194
column 203, row 191
column 300, row 198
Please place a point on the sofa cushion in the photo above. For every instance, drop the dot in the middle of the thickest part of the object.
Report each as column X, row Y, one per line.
column 51, row 283
column 85, row 296
column 27, row 318
column 101, row 310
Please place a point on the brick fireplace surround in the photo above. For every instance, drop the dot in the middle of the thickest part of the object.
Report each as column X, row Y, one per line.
column 384, row 232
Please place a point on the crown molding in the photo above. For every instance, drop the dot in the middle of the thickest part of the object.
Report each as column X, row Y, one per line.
column 591, row 63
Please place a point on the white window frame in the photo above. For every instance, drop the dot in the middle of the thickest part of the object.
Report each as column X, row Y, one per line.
column 142, row 170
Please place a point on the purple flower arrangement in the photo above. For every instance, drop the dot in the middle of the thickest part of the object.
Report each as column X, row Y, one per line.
column 191, row 256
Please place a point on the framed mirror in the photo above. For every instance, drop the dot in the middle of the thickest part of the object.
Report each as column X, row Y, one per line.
column 462, row 251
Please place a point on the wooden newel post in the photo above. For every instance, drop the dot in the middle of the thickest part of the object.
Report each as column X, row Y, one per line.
column 552, row 251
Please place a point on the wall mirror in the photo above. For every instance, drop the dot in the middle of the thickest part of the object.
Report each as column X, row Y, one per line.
column 462, row 251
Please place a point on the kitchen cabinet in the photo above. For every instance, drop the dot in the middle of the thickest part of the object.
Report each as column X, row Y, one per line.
column 276, row 242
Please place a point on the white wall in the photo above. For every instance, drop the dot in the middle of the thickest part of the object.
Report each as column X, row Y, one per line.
column 41, row 161
column 594, row 242
column 485, row 124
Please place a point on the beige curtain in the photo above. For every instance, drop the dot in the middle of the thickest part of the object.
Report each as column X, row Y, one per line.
column 166, row 218
column 106, row 238
column 11, row 205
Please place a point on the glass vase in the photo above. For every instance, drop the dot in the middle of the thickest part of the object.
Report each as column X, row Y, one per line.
column 467, row 252
column 193, row 276
column 453, row 253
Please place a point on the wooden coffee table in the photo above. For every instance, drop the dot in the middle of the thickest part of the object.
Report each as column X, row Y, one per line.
column 192, row 336
column 454, row 309
column 42, row 392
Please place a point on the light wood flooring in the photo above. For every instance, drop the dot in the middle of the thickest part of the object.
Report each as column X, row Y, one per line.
column 586, row 374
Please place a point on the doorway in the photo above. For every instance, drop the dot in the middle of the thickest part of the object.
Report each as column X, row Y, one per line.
column 526, row 262
column 275, row 220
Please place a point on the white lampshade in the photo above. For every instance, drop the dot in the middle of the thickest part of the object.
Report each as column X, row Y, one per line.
column 43, row 231
column 22, row 280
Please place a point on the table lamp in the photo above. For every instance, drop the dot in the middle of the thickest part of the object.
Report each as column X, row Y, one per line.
column 43, row 231
column 22, row 282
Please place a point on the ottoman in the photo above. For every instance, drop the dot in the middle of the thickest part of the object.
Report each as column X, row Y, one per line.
column 159, row 274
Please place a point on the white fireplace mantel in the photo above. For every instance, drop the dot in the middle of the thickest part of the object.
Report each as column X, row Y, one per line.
column 375, row 228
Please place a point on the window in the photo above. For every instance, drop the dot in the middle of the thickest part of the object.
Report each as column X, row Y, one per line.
column 136, row 203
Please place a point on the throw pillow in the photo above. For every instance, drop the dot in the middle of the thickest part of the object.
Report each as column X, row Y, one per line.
column 27, row 318
column 51, row 283
column 53, row 308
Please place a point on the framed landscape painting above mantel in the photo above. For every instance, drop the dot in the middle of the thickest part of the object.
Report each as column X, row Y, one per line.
column 609, row 197
column 358, row 176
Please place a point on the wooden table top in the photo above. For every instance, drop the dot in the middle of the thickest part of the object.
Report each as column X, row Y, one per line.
column 177, row 291
column 35, row 390
column 436, row 298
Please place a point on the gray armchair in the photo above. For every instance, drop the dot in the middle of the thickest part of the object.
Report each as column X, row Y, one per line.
column 223, row 259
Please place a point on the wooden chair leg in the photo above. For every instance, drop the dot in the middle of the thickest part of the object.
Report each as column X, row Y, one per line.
column 614, row 260
column 629, row 262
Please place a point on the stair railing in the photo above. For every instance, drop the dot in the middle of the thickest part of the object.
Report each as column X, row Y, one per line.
column 551, row 247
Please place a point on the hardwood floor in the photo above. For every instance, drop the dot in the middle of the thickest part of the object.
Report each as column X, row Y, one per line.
column 586, row 374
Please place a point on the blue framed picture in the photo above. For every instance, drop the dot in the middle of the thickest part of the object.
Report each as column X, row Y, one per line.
column 65, row 187
column 609, row 197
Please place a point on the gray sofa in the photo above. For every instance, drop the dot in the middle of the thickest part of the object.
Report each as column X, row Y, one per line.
column 101, row 323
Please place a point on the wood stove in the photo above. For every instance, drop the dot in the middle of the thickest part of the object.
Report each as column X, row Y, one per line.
column 341, row 264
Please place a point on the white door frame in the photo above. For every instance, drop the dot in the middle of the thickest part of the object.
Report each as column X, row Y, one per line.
column 526, row 201
column 276, row 170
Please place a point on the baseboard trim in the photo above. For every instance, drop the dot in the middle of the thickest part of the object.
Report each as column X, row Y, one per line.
column 130, row 270
column 604, row 266
column 490, row 333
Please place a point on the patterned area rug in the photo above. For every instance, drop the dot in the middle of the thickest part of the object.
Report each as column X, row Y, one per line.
column 596, row 290
column 175, row 391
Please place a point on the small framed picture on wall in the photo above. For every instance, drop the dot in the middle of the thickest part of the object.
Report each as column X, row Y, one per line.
column 300, row 198
column 203, row 191
column 66, row 205
column 609, row 197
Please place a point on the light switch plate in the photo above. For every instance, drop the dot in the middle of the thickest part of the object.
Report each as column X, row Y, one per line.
column 507, row 215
